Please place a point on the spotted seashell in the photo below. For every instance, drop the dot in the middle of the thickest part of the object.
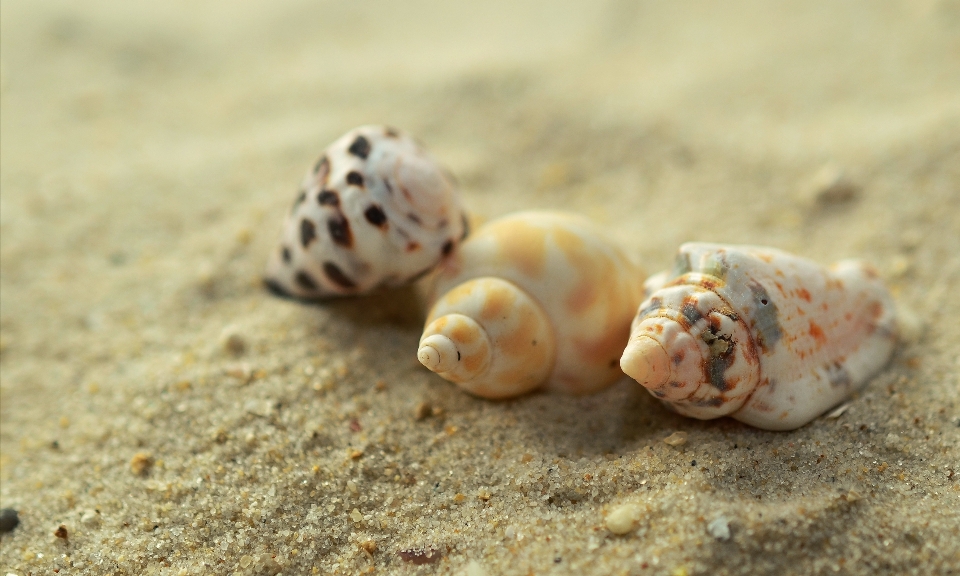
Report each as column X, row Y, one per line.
column 532, row 300
column 375, row 210
column 760, row 335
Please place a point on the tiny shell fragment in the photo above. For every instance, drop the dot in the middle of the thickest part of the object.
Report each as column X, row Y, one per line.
column 141, row 463
column 719, row 528
column 623, row 519
column 676, row 439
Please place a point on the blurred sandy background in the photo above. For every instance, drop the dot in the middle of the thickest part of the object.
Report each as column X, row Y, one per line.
column 177, row 419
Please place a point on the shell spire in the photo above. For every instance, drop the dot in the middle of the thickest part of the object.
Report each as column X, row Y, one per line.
column 490, row 338
column 531, row 300
column 768, row 338
column 375, row 210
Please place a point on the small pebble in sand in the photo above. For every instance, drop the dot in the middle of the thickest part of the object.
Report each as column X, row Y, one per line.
column 622, row 519
column 232, row 341
column 830, row 186
column 420, row 555
column 911, row 325
column 9, row 518
column 61, row 532
column 90, row 518
column 719, row 528
column 839, row 410
column 141, row 463
column 423, row 411
column 368, row 546
column 676, row 439
column 265, row 565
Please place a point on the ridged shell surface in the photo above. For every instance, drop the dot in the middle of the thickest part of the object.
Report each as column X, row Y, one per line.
column 375, row 210
column 553, row 297
column 769, row 338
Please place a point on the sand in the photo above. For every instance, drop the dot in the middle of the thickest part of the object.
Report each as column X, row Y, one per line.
column 175, row 418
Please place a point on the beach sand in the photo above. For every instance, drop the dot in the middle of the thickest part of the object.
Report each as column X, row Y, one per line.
column 176, row 418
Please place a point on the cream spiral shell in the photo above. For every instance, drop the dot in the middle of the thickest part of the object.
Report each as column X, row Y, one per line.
column 375, row 210
column 763, row 336
column 531, row 300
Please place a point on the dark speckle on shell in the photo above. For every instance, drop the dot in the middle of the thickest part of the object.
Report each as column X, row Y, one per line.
column 339, row 230
column 308, row 232
column 360, row 148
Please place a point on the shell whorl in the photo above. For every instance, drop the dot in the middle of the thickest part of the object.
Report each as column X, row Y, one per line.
column 490, row 338
column 766, row 337
column 688, row 347
column 375, row 210
column 584, row 287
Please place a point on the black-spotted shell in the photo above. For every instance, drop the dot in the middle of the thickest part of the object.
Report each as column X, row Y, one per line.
column 375, row 210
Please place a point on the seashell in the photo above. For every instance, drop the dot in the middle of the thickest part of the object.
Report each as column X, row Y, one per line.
column 768, row 338
column 375, row 210
column 531, row 300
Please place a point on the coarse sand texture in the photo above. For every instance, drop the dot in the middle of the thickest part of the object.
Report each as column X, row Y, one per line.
column 162, row 412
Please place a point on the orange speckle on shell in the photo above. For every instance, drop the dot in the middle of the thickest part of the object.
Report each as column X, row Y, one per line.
column 458, row 294
column 817, row 333
column 570, row 244
column 582, row 298
column 598, row 351
column 474, row 362
column 497, row 303
column 520, row 337
column 463, row 333
column 440, row 324
column 522, row 244
column 521, row 373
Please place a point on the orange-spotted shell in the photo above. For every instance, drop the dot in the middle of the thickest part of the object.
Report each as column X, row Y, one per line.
column 763, row 336
column 375, row 210
column 532, row 300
